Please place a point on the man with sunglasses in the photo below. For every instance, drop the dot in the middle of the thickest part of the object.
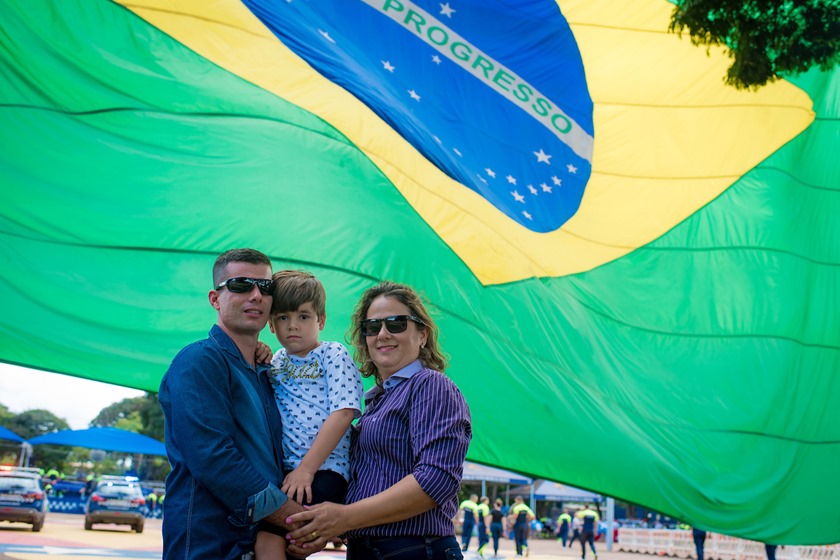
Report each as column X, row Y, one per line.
column 222, row 429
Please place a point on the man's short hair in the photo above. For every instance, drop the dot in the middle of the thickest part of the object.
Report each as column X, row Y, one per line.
column 293, row 288
column 251, row 256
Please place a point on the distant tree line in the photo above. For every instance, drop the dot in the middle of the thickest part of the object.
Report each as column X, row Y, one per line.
column 142, row 415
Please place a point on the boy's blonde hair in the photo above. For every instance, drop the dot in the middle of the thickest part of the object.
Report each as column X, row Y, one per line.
column 293, row 288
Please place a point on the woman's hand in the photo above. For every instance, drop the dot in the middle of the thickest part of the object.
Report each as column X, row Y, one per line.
column 317, row 526
column 263, row 354
column 298, row 485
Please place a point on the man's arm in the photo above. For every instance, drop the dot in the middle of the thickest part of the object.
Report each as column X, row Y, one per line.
column 195, row 396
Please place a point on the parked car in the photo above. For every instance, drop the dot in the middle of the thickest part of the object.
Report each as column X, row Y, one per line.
column 118, row 501
column 22, row 499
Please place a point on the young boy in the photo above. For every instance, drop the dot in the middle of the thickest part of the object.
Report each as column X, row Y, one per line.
column 318, row 391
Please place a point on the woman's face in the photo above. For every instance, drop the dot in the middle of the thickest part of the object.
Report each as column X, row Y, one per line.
column 388, row 351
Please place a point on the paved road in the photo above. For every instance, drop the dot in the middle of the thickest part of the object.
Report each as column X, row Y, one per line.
column 64, row 538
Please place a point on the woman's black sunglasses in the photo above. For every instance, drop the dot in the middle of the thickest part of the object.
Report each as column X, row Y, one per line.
column 395, row 324
column 242, row 284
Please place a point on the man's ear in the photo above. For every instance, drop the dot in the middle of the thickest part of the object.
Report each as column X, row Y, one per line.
column 213, row 296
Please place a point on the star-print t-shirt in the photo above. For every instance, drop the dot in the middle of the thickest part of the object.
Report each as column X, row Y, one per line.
column 309, row 389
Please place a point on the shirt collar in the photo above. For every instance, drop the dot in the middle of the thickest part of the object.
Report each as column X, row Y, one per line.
column 396, row 378
column 227, row 344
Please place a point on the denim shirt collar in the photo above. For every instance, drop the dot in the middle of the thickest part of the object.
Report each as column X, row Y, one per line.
column 396, row 378
column 226, row 343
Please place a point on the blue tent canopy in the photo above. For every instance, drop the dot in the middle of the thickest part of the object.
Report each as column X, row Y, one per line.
column 107, row 439
column 6, row 433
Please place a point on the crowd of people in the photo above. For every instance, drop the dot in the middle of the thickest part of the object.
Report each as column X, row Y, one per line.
column 263, row 453
column 516, row 523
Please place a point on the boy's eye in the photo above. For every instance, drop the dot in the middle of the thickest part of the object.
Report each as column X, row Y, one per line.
column 304, row 317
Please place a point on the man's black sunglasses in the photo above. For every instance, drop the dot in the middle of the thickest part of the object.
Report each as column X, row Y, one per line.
column 395, row 324
column 242, row 284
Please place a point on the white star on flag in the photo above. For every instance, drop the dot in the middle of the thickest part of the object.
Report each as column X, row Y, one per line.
column 446, row 10
column 527, row 215
column 490, row 172
column 436, row 59
column 556, row 180
column 326, row 36
column 414, row 95
column 532, row 189
column 543, row 157
column 518, row 197
column 511, row 179
column 545, row 187
column 571, row 168
column 386, row 64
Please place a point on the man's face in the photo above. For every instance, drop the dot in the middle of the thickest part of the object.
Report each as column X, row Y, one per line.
column 242, row 314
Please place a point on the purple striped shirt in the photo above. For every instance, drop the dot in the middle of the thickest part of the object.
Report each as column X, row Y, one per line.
column 419, row 424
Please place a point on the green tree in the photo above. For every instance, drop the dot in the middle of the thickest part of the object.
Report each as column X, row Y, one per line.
column 114, row 414
column 138, row 414
column 144, row 416
column 766, row 38
column 5, row 416
column 32, row 423
column 152, row 416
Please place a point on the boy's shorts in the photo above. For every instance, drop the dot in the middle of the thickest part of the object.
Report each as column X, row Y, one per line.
column 327, row 486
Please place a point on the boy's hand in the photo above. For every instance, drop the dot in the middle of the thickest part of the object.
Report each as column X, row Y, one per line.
column 263, row 354
column 298, row 485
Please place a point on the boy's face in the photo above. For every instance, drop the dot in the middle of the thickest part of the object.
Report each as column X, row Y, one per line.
column 298, row 330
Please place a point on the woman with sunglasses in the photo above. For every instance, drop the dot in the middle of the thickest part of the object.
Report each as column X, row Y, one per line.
column 409, row 446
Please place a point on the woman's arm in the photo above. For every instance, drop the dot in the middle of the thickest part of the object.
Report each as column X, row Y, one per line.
column 403, row 500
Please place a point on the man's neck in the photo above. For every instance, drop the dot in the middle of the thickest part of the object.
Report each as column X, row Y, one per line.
column 246, row 343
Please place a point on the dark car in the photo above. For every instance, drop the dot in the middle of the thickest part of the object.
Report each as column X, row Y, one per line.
column 22, row 499
column 118, row 501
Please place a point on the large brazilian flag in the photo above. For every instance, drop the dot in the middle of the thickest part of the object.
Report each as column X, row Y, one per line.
column 636, row 270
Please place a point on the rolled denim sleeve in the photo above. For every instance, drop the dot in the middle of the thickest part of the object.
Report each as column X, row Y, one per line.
column 268, row 501
column 218, row 428
column 440, row 431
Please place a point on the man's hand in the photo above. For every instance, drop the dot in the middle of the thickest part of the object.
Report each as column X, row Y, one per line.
column 300, row 549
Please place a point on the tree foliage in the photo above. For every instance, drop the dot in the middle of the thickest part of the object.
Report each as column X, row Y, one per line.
column 140, row 414
column 114, row 414
column 37, row 422
column 32, row 423
column 765, row 38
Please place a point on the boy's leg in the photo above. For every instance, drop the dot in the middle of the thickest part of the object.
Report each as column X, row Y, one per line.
column 269, row 546
column 329, row 486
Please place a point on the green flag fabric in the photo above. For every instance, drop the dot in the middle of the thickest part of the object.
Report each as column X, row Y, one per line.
column 644, row 302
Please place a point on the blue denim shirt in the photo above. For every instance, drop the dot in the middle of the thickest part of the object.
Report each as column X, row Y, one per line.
column 223, row 439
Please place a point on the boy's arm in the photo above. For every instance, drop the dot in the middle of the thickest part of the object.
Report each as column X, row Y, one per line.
column 298, row 483
column 334, row 428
